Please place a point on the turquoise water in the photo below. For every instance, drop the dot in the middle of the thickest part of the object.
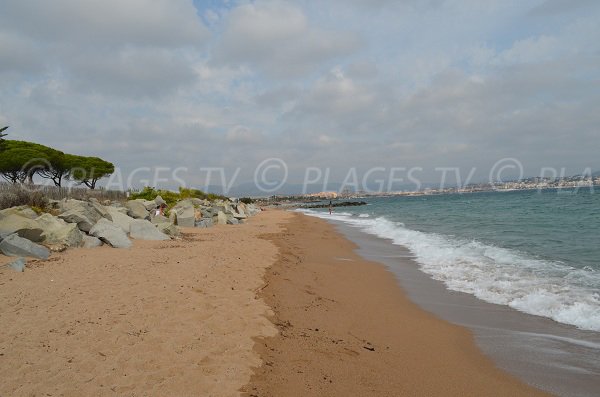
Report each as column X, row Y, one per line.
column 535, row 251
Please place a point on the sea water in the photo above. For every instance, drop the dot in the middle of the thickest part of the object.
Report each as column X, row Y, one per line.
column 535, row 251
column 521, row 269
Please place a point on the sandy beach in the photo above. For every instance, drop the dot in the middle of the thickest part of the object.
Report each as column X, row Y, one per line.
column 279, row 306
column 172, row 318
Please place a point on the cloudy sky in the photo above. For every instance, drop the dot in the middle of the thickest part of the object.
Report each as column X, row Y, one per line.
column 328, row 84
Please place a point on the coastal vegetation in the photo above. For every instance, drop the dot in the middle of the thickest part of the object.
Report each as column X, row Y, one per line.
column 170, row 197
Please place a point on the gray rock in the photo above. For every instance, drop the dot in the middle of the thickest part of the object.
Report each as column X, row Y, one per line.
column 23, row 210
column 59, row 232
column 24, row 227
column 102, row 210
column 81, row 213
column 119, row 218
column 91, row 242
column 150, row 205
column 221, row 218
column 110, row 233
column 18, row 265
column 136, row 209
column 185, row 214
column 159, row 201
column 168, row 228
column 231, row 220
column 142, row 229
column 14, row 245
column 204, row 222
column 159, row 219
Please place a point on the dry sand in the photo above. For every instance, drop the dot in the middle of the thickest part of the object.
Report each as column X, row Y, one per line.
column 171, row 318
column 347, row 329
column 188, row 318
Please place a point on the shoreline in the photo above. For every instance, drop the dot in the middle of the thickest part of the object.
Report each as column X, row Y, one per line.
column 347, row 328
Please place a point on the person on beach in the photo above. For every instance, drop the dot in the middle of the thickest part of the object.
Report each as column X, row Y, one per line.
column 330, row 207
column 160, row 210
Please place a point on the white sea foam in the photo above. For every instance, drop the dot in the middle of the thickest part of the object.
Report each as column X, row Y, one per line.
column 494, row 274
column 363, row 215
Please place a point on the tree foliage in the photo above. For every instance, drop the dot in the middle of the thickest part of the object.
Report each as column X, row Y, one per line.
column 89, row 170
column 20, row 161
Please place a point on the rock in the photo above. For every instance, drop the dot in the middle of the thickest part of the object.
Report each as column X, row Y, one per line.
column 168, row 228
column 24, row 227
column 159, row 219
column 136, row 209
column 221, row 218
column 81, row 213
column 18, row 265
column 231, row 220
column 120, row 219
column 23, row 210
column 58, row 232
column 184, row 211
column 197, row 214
column 91, row 242
column 14, row 245
column 150, row 205
column 142, row 229
column 110, row 233
column 159, row 201
column 100, row 209
column 204, row 222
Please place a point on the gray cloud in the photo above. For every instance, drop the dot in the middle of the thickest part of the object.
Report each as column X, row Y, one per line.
column 277, row 37
column 106, row 22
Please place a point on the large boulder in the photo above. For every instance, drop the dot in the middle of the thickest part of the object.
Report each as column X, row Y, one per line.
column 24, row 227
column 110, row 233
column 21, row 210
column 136, row 209
column 221, row 218
column 58, row 232
column 204, row 222
column 81, row 213
column 142, row 229
column 159, row 219
column 185, row 214
column 91, row 242
column 14, row 245
column 150, row 205
column 102, row 210
column 119, row 218
column 168, row 228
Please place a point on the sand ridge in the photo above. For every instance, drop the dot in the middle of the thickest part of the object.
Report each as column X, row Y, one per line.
column 171, row 318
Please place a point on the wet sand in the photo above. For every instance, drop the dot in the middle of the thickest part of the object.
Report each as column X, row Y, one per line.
column 347, row 329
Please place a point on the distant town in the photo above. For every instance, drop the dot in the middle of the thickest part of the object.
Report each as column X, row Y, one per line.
column 533, row 183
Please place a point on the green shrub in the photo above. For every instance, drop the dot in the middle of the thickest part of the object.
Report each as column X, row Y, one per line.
column 247, row 200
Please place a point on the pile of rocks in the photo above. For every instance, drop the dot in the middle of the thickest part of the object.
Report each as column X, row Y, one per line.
column 77, row 223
